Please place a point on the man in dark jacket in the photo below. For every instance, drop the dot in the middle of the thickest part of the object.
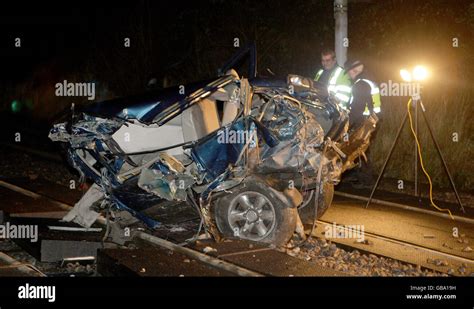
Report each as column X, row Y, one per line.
column 365, row 98
column 364, row 104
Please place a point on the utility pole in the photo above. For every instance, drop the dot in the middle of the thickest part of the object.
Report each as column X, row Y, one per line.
column 341, row 39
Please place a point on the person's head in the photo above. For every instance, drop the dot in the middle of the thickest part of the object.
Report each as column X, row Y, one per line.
column 328, row 59
column 354, row 68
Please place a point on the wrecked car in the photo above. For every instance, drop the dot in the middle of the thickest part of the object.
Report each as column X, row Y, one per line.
column 251, row 155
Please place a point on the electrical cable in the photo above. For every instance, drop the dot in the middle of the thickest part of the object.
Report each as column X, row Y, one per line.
column 422, row 165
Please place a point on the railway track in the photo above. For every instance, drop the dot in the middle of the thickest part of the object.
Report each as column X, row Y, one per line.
column 376, row 244
column 234, row 258
column 404, row 251
column 11, row 267
column 211, row 257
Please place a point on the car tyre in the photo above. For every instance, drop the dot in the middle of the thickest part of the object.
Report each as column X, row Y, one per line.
column 325, row 199
column 255, row 212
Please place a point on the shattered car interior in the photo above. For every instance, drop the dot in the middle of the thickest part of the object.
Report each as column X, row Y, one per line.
column 253, row 156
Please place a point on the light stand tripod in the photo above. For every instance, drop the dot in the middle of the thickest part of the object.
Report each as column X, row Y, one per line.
column 415, row 101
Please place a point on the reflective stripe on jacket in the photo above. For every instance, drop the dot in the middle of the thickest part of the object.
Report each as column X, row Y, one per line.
column 339, row 85
column 375, row 93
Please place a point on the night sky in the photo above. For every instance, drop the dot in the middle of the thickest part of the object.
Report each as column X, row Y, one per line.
column 184, row 42
column 61, row 32
column 70, row 33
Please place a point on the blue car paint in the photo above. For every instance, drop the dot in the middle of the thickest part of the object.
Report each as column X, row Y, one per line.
column 268, row 83
column 213, row 157
column 214, row 184
column 153, row 224
column 164, row 104
column 74, row 160
column 143, row 107
column 146, row 107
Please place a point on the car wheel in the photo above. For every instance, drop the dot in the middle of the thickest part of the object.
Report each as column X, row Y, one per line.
column 306, row 212
column 253, row 211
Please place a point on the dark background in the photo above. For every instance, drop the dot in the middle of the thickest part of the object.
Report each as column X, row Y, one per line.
column 179, row 42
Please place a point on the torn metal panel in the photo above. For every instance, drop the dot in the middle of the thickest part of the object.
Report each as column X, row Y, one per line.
column 84, row 131
column 166, row 178
column 133, row 137
column 214, row 153
column 82, row 213
column 358, row 142
column 165, row 182
column 299, row 134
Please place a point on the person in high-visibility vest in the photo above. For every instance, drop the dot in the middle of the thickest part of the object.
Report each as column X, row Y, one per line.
column 364, row 104
column 334, row 78
column 365, row 98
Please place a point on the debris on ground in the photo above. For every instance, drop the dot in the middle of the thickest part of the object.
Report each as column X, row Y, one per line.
column 355, row 263
column 17, row 164
column 446, row 245
column 364, row 242
column 209, row 250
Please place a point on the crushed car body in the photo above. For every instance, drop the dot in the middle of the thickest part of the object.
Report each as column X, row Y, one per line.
column 252, row 155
